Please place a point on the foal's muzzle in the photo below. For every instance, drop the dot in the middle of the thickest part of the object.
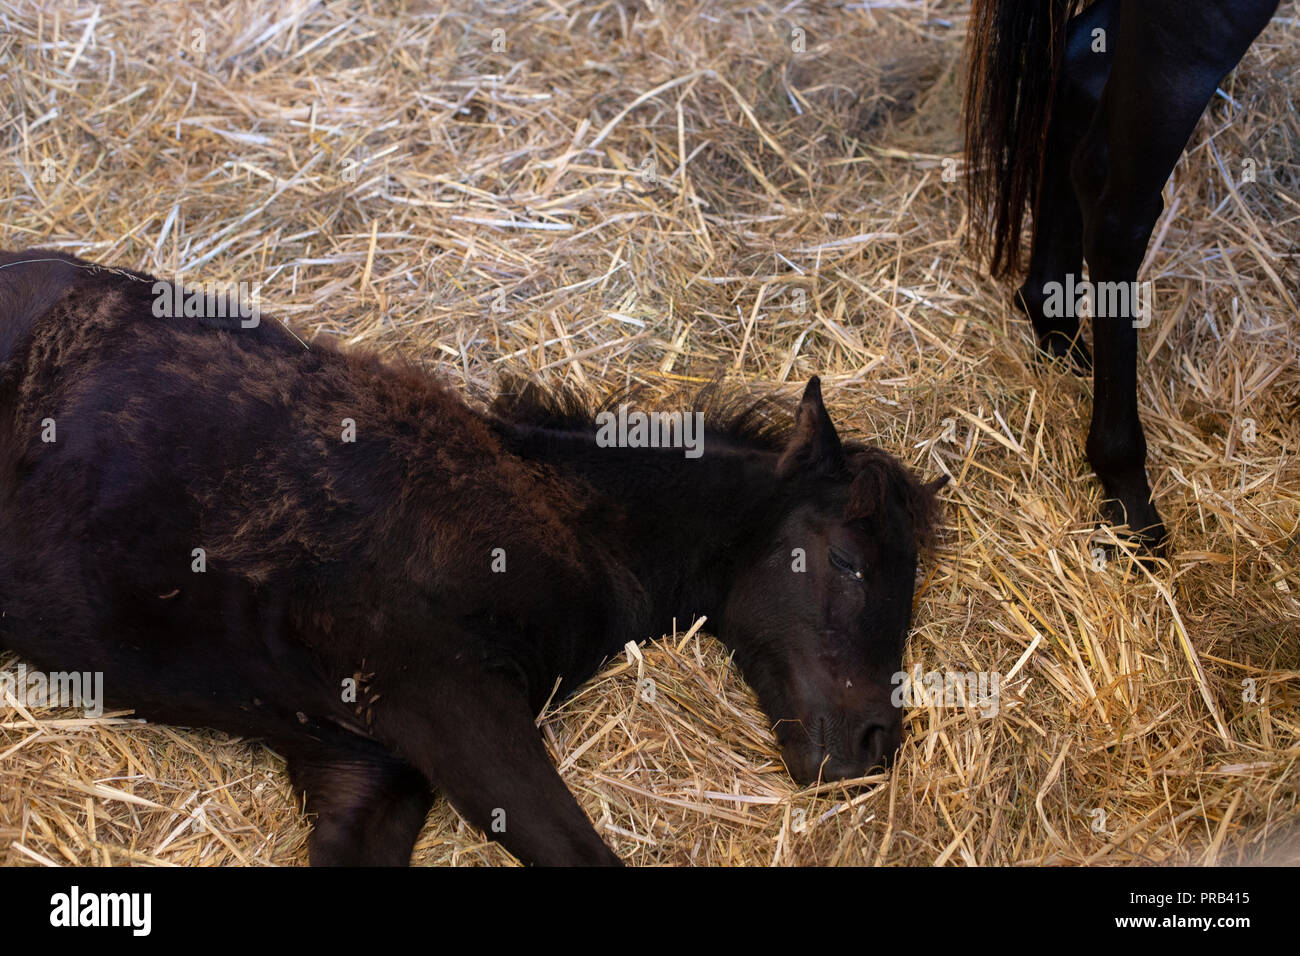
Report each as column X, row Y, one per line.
column 834, row 747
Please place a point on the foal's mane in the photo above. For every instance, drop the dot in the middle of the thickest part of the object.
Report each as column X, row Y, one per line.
column 763, row 423
column 730, row 412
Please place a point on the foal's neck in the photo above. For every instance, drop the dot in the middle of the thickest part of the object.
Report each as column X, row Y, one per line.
column 682, row 524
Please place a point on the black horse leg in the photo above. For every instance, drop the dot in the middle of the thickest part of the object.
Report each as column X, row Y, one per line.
column 1057, row 250
column 368, row 806
column 1170, row 55
column 477, row 742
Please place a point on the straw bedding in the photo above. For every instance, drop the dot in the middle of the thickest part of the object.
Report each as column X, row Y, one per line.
column 598, row 192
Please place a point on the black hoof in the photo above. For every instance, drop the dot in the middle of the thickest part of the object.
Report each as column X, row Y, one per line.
column 1146, row 536
column 1058, row 340
column 1058, row 347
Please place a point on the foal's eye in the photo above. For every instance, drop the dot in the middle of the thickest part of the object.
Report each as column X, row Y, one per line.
column 842, row 563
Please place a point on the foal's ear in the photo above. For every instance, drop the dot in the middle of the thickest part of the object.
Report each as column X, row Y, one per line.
column 814, row 447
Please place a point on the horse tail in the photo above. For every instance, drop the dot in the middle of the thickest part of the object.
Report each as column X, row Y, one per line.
column 1014, row 53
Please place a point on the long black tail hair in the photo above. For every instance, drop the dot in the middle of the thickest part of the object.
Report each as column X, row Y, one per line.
column 1014, row 54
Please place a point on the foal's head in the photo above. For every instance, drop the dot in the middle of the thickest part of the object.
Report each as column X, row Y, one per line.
column 820, row 607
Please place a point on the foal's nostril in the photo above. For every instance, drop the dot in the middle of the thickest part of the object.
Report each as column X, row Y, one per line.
column 878, row 746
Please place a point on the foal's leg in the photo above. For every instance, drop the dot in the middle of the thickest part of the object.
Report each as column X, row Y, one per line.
column 1057, row 249
column 1169, row 57
column 477, row 742
column 369, row 807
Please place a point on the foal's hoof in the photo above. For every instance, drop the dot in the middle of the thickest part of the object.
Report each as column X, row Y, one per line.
column 1059, row 347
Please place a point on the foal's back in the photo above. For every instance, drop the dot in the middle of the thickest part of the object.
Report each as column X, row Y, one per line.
column 216, row 515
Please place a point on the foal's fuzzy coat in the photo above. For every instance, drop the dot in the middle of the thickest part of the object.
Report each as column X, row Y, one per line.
column 337, row 554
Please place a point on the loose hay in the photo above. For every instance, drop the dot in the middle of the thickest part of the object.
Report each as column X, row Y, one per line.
column 660, row 192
